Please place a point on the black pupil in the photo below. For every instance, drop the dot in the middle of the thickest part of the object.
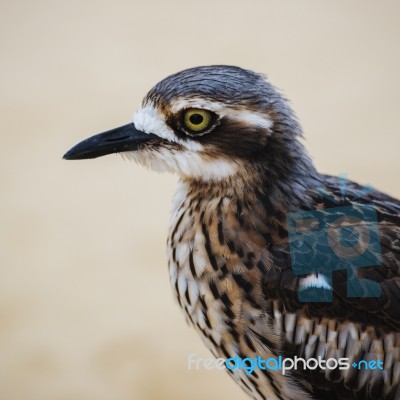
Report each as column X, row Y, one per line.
column 196, row 119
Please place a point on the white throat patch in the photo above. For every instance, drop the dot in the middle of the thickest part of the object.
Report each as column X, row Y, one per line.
column 185, row 163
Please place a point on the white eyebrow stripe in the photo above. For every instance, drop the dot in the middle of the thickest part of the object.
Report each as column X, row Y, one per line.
column 249, row 117
column 255, row 118
column 147, row 119
column 183, row 102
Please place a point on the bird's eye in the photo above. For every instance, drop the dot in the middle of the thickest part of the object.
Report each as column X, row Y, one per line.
column 197, row 120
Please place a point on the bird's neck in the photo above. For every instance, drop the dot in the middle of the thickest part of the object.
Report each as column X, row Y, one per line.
column 280, row 183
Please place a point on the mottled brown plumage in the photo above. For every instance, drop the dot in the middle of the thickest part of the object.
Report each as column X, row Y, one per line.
column 228, row 248
column 246, row 299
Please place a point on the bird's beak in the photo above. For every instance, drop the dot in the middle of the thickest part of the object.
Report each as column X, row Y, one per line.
column 124, row 138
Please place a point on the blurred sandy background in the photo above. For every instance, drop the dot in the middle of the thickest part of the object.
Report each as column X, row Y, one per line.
column 86, row 311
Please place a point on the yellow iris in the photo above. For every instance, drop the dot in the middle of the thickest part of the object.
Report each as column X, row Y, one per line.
column 197, row 120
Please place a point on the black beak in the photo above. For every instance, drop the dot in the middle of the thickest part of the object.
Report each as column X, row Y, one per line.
column 124, row 138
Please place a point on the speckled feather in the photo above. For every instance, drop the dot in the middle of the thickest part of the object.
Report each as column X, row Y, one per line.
column 231, row 274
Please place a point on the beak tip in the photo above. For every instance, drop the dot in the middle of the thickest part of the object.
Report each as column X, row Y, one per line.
column 69, row 155
column 76, row 154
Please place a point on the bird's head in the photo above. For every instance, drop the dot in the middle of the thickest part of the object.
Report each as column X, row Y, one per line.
column 205, row 123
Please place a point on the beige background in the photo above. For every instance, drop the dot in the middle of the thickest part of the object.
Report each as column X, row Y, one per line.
column 86, row 311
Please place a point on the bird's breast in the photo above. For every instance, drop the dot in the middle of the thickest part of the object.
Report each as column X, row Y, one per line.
column 218, row 256
column 191, row 258
column 216, row 267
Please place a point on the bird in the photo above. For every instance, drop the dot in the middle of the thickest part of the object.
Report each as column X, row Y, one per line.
column 243, row 267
